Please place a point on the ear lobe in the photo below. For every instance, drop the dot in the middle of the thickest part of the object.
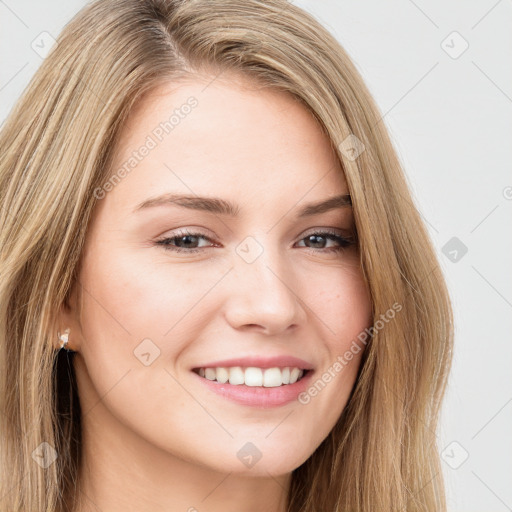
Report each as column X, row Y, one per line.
column 68, row 323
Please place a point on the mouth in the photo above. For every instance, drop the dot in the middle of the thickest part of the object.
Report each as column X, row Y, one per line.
column 253, row 376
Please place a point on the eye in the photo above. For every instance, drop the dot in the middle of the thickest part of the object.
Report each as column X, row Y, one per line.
column 322, row 237
column 186, row 238
column 187, row 242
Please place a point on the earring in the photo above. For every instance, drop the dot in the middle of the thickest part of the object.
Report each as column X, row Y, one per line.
column 64, row 338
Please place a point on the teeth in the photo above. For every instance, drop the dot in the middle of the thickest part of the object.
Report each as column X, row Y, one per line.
column 222, row 375
column 252, row 376
column 236, row 375
column 294, row 375
column 272, row 377
column 210, row 373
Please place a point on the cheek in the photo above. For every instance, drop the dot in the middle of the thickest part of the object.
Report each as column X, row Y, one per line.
column 130, row 298
column 344, row 311
column 343, row 305
column 139, row 316
column 132, row 308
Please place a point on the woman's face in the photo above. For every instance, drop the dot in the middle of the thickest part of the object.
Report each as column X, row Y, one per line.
column 253, row 284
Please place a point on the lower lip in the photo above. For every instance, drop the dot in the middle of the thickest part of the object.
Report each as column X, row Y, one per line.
column 259, row 396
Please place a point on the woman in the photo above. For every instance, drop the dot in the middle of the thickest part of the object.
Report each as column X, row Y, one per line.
column 216, row 291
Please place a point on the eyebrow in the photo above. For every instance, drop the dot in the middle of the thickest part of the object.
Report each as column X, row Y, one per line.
column 222, row 207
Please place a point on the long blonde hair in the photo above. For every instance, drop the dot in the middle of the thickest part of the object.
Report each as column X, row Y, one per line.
column 57, row 146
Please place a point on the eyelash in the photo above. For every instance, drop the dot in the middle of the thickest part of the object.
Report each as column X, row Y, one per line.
column 331, row 235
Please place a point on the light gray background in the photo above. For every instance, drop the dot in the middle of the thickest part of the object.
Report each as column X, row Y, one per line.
column 450, row 118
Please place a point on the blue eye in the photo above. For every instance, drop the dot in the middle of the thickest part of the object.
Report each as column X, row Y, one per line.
column 186, row 241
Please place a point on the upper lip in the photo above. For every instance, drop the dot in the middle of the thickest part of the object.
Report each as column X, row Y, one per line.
column 260, row 362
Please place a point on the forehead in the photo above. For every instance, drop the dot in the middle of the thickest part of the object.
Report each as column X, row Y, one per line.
column 224, row 136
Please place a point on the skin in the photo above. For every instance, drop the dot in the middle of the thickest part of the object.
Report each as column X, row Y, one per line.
column 154, row 438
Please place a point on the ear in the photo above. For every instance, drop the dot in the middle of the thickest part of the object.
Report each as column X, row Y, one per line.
column 68, row 318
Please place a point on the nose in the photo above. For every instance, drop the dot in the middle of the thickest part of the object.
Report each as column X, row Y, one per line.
column 263, row 294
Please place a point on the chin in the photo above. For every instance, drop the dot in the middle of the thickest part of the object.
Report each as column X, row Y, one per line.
column 251, row 458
